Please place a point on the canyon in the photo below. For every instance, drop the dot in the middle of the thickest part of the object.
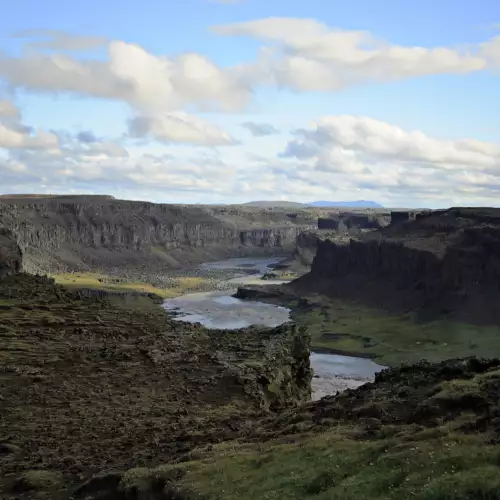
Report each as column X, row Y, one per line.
column 105, row 396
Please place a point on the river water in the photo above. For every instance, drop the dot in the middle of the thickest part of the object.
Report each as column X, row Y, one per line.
column 332, row 373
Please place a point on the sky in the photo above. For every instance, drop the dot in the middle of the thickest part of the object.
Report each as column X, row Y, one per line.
column 228, row 101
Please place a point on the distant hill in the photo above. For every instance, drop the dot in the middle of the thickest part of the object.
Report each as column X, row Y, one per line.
column 275, row 203
column 353, row 204
column 320, row 204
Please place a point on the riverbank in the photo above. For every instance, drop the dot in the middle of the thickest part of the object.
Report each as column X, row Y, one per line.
column 348, row 328
column 207, row 277
column 219, row 309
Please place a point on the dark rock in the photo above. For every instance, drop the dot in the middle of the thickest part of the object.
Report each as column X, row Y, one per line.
column 10, row 254
column 439, row 263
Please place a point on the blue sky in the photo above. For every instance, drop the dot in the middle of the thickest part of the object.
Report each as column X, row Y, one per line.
column 390, row 101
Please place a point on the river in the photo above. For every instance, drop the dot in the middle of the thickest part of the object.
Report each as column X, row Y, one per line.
column 332, row 373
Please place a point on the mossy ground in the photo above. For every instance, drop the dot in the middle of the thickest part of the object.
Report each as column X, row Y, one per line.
column 89, row 384
column 337, row 449
column 437, row 465
column 350, row 328
column 180, row 286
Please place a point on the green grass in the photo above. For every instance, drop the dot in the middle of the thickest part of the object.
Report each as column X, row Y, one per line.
column 107, row 283
column 435, row 464
column 392, row 339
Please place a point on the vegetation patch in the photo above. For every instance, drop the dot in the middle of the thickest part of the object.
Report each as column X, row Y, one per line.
column 391, row 339
column 179, row 286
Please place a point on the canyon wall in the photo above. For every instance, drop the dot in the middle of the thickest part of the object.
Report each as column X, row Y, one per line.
column 445, row 262
column 10, row 254
column 80, row 234
column 338, row 227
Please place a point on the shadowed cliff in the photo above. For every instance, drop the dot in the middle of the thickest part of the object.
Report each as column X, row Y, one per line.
column 444, row 262
column 10, row 254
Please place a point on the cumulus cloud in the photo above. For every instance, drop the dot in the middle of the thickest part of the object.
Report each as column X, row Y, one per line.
column 260, row 129
column 337, row 156
column 108, row 169
column 363, row 153
column 131, row 74
column 179, row 127
column 308, row 55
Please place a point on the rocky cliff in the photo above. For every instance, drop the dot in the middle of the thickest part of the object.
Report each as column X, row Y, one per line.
column 443, row 262
column 10, row 254
column 82, row 233
column 337, row 226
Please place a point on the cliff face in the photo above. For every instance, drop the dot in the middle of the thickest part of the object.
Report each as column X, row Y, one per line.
column 75, row 234
column 10, row 254
column 337, row 226
column 447, row 262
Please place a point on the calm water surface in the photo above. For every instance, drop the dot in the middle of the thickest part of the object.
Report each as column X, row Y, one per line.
column 220, row 310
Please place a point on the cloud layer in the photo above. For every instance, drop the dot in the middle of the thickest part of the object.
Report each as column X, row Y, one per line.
column 381, row 157
column 307, row 55
column 167, row 96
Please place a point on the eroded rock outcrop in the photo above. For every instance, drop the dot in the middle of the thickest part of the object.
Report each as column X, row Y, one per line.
column 338, row 227
column 446, row 262
column 81, row 234
column 10, row 254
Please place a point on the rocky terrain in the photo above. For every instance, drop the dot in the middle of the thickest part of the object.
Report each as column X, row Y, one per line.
column 90, row 383
column 426, row 286
column 338, row 225
column 441, row 262
column 61, row 234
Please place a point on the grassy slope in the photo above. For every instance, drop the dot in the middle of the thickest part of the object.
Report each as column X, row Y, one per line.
column 452, row 456
column 91, row 280
column 391, row 339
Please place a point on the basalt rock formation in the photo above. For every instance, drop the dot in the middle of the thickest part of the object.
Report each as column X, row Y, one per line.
column 446, row 261
column 84, row 233
column 337, row 226
column 10, row 254
column 343, row 222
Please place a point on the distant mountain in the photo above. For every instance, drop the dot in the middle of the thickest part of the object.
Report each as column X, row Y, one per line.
column 275, row 203
column 352, row 204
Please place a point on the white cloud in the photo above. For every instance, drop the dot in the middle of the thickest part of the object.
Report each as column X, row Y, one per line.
column 366, row 137
column 307, row 55
column 133, row 75
column 362, row 153
column 179, row 127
